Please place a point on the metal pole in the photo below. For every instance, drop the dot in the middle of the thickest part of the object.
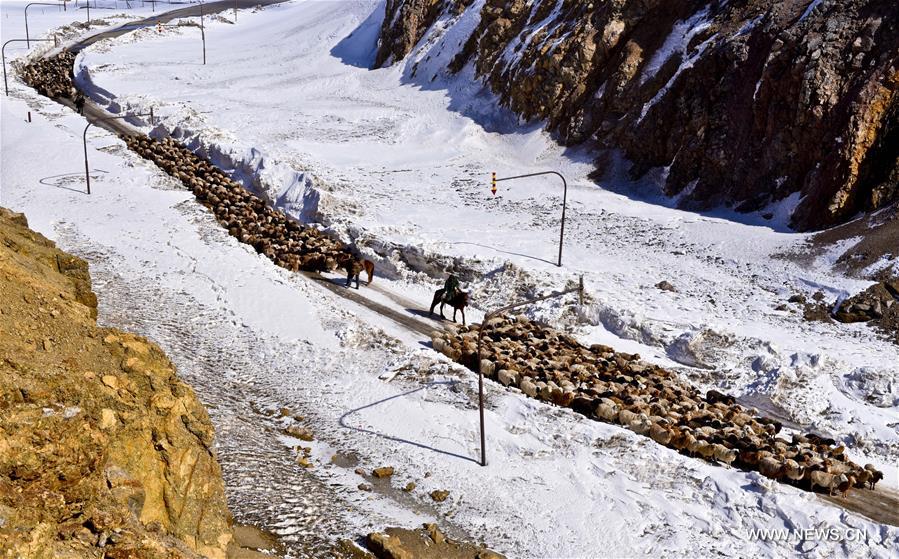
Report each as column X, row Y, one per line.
column 481, row 393
column 27, row 35
column 493, row 314
column 562, row 228
column 235, row 11
column 3, row 56
column 564, row 202
column 203, row 32
column 5, row 85
column 87, row 172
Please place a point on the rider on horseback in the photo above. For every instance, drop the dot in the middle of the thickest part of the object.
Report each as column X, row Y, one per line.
column 450, row 287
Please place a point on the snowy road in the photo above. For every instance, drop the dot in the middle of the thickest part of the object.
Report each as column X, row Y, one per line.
column 254, row 339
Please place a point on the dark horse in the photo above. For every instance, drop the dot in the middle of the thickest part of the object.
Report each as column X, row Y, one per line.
column 459, row 302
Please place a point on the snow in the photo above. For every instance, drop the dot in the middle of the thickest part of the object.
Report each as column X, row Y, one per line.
column 687, row 63
column 402, row 164
column 676, row 43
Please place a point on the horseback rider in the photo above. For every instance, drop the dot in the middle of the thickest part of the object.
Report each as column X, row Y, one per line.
column 450, row 287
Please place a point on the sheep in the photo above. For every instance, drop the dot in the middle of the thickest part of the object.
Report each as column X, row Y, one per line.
column 607, row 410
column 660, row 433
column 770, row 467
column 723, row 454
column 792, row 470
column 827, row 481
column 846, row 483
column 528, row 387
column 706, row 450
column 641, row 425
column 714, row 397
column 488, row 367
column 863, row 477
column 653, row 402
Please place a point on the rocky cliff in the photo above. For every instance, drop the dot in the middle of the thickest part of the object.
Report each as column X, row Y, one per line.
column 739, row 102
column 103, row 451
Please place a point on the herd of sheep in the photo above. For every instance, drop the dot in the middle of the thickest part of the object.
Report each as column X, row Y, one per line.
column 619, row 388
column 541, row 362
column 247, row 217
column 51, row 77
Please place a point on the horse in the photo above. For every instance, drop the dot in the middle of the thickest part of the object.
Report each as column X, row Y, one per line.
column 459, row 302
column 354, row 268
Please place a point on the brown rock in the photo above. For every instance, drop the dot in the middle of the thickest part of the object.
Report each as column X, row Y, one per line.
column 439, row 495
column 382, row 472
column 300, row 432
column 386, row 547
column 435, row 534
column 747, row 113
column 142, row 481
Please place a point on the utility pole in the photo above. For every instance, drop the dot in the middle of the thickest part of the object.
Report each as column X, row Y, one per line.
column 495, row 180
column 493, row 314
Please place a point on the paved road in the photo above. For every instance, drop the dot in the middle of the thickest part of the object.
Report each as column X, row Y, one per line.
column 881, row 505
column 94, row 113
column 421, row 327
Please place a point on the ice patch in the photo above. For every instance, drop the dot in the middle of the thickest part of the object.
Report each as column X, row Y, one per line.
column 687, row 63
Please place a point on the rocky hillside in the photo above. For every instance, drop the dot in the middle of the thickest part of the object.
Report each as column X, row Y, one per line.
column 103, row 451
column 740, row 102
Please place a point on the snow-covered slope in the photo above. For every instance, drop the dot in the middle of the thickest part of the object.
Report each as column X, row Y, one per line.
column 288, row 101
column 743, row 103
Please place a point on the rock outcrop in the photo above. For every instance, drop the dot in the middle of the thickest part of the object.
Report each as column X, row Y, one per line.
column 424, row 543
column 742, row 103
column 879, row 305
column 104, row 452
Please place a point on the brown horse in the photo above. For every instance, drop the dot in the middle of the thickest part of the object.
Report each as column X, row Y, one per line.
column 354, row 267
column 459, row 302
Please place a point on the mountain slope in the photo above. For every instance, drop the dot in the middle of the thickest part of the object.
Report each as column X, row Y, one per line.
column 741, row 103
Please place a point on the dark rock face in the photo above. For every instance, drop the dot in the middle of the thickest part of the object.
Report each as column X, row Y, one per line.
column 406, row 23
column 741, row 103
column 879, row 304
